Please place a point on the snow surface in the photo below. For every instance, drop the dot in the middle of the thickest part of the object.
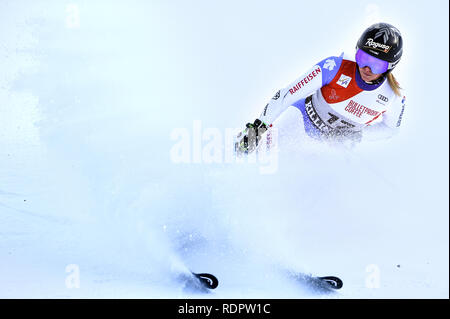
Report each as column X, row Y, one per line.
column 93, row 205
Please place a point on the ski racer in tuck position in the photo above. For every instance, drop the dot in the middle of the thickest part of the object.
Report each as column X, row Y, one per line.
column 341, row 98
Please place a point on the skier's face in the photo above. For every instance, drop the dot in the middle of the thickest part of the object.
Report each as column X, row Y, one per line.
column 367, row 75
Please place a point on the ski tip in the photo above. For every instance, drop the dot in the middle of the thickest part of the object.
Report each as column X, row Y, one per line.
column 333, row 282
column 207, row 280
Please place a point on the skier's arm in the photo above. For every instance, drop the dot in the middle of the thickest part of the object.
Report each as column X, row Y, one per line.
column 319, row 75
column 390, row 124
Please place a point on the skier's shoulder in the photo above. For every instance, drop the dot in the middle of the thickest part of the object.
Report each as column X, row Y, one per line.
column 399, row 103
column 331, row 62
column 396, row 92
column 396, row 101
column 330, row 67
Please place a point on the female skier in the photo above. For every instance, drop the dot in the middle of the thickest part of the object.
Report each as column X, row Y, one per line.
column 340, row 97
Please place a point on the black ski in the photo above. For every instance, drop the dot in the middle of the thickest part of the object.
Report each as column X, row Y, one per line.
column 207, row 280
column 198, row 282
column 332, row 282
column 326, row 283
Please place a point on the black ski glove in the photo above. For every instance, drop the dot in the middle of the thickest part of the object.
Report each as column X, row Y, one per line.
column 248, row 139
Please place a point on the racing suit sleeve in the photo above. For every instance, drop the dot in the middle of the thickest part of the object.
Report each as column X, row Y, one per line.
column 319, row 75
column 390, row 124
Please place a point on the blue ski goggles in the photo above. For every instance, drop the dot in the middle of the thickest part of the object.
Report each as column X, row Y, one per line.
column 364, row 59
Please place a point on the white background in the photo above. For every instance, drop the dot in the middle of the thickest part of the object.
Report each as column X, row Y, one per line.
column 90, row 93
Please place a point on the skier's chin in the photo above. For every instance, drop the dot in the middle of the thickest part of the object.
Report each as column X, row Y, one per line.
column 368, row 76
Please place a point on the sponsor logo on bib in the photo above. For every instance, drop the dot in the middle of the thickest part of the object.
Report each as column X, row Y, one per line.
column 344, row 80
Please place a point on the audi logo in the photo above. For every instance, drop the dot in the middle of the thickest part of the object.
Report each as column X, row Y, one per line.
column 382, row 98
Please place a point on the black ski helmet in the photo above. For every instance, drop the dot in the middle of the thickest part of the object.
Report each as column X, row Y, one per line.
column 383, row 41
